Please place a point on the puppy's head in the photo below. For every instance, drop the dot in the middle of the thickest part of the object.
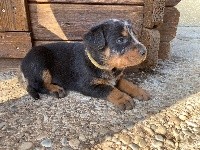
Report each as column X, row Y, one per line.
column 114, row 44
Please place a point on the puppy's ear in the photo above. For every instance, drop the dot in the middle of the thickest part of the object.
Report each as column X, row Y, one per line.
column 95, row 37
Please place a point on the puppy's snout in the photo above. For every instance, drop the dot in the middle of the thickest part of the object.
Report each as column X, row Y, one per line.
column 142, row 49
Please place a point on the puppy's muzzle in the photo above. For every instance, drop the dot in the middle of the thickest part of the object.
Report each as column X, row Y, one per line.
column 141, row 49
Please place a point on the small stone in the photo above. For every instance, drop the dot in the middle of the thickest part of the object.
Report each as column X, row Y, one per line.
column 93, row 123
column 125, row 138
column 175, row 133
column 159, row 138
column 134, row 146
column 46, row 143
column 192, row 124
column 41, row 136
column 170, row 143
column 183, row 117
column 64, row 141
column 74, row 143
column 123, row 147
column 108, row 138
column 137, row 139
column 25, row 145
column 157, row 144
column 196, row 129
column 161, row 130
column 176, row 120
column 106, row 145
column 82, row 137
column 186, row 132
column 92, row 142
column 2, row 124
column 154, row 127
column 148, row 130
column 142, row 143
column 114, row 139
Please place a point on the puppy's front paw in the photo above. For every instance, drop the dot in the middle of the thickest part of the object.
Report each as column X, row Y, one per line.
column 142, row 95
column 120, row 99
column 58, row 91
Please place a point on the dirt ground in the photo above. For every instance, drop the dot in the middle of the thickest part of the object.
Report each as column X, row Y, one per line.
column 170, row 120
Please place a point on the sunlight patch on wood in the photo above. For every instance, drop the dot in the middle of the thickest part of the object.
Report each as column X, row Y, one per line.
column 47, row 19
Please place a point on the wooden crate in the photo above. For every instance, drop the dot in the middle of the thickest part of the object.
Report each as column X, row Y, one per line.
column 67, row 20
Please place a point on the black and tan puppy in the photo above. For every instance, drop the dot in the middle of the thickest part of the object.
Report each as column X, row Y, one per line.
column 94, row 68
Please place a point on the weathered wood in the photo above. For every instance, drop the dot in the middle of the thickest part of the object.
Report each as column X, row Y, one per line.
column 134, row 2
column 164, row 51
column 151, row 39
column 169, row 27
column 153, row 13
column 170, row 3
column 13, row 15
column 71, row 21
column 14, row 44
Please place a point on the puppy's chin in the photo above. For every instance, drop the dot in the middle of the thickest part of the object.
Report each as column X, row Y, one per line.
column 128, row 59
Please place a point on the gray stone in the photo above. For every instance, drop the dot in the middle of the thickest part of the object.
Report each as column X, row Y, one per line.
column 74, row 143
column 159, row 138
column 125, row 138
column 142, row 143
column 192, row 124
column 46, row 143
column 186, row 132
column 148, row 130
column 2, row 124
column 134, row 146
column 161, row 130
column 196, row 129
column 26, row 145
column 64, row 141
column 82, row 137
column 182, row 117
column 157, row 144
column 170, row 143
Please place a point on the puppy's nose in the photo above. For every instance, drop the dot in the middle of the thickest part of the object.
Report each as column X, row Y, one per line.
column 142, row 49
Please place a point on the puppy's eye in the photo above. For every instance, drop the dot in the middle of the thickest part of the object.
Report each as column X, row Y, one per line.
column 121, row 40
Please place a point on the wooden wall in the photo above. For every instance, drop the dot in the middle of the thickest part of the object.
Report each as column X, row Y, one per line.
column 15, row 37
column 23, row 22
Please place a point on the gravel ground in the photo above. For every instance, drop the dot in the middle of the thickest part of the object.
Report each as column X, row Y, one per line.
column 170, row 120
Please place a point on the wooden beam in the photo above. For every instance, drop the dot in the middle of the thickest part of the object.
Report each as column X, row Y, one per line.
column 153, row 13
column 71, row 21
column 151, row 39
column 169, row 27
column 170, row 3
column 13, row 15
column 14, row 44
column 133, row 2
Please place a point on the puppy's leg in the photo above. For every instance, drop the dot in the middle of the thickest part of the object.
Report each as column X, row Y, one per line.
column 132, row 90
column 112, row 94
column 56, row 90
column 33, row 92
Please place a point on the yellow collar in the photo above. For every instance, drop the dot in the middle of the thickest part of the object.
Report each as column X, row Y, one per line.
column 96, row 64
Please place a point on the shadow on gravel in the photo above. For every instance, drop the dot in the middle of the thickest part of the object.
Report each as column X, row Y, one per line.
column 78, row 121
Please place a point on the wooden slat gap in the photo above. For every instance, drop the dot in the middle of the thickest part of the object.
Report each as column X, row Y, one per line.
column 115, row 4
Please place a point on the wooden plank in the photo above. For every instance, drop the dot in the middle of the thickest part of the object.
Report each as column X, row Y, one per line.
column 153, row 13
column 169, row 27
column 71, row 21
column 13, row 15
column 164, row 51
column 14, row 44
column 36, row 43
column 170, row 3
column 133, row 2
column 151, row 39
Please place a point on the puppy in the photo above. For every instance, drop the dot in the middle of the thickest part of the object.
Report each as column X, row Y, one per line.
column 94, row 68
